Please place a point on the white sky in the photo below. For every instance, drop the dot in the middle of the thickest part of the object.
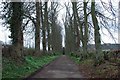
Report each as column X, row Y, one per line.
column 4, row 33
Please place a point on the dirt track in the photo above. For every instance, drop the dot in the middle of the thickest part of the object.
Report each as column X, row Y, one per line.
column 63, row 67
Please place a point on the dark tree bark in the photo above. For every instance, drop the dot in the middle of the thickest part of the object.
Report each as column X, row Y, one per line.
column 37, row 28
column 16, row 29
column 44, row 28
column 48, row 31
column 76, row 30
column 56, row 37
column 69, row 38
column 98, row 57
column 85, row 36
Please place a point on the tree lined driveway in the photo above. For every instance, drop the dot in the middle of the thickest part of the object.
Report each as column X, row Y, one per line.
column 63, row 67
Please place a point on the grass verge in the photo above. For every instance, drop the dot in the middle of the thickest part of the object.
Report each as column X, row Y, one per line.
column 76, row 59
column 12, row 69
column 105, row 70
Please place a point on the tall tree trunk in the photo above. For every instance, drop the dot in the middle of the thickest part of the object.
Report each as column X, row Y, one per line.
column 16, row 29
column 46, row 24
column 55, row 30
column 77, row 37
column 98, row 57
column 37, row 27
column 48, row 39
column 82, row 52
column 83, row 35
column 44, row 28
column 72, row 37
column 70, row 40
column 52, row 28
column 48, row 32
column 85, row 41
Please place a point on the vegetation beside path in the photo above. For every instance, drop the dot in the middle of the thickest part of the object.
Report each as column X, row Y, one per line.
column 12, row 69
column 108, row 69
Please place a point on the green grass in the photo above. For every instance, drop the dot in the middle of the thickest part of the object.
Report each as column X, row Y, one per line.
column 76, row 59
column 104, row 70
column 11, row 69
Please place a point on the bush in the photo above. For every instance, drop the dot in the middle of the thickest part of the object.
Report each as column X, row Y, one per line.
column 29, row 51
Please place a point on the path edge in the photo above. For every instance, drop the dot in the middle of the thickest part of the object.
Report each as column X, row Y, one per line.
column 38, row 70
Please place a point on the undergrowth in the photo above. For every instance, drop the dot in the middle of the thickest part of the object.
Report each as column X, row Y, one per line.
column 108, row 69
column 12, row 69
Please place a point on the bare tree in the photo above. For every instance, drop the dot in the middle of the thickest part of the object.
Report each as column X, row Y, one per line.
column 56, row 38
column 69, row 32
column 44, row 28
column 48, row 29
column 98, row 57
column 76, row 30
column 14, row 17
column 37, row 27
column 84, row 31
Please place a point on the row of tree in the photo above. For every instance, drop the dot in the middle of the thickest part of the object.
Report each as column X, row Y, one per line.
column 18, row 15
column 86, row 19
column 80, row 21
column 77, row 29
